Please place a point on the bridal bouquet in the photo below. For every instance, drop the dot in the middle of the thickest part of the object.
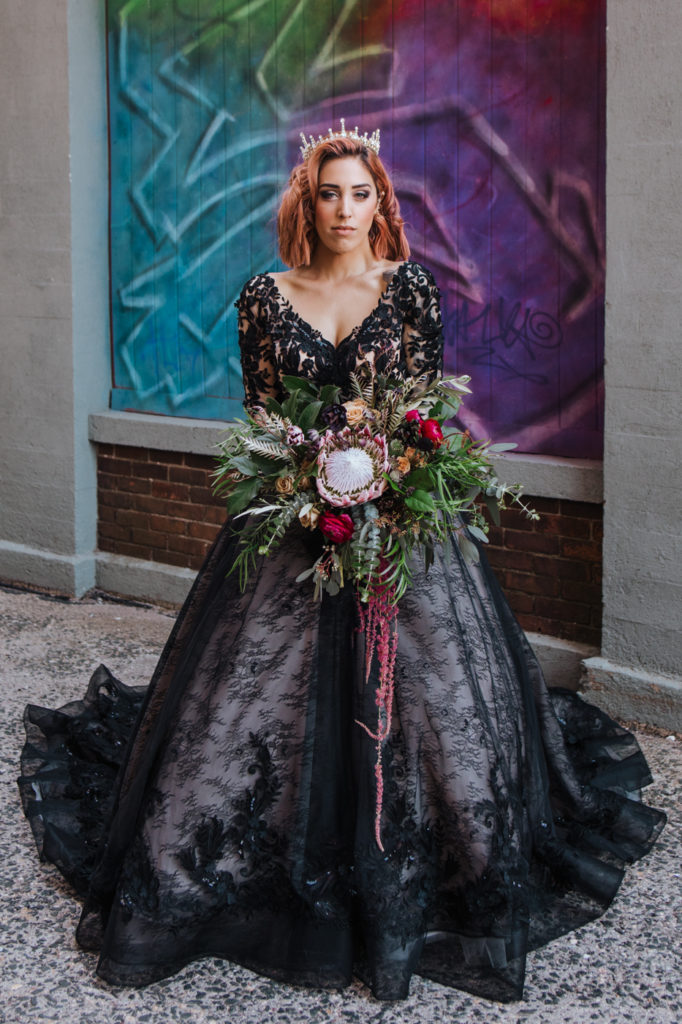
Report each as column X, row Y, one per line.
column 378, row 476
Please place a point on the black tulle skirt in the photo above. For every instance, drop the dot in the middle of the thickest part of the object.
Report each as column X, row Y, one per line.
column 229, row 809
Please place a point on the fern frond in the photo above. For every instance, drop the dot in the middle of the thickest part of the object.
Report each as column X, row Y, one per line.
column 276, row 423
column 355, row 386
column 268, row 449
column 394, row 421
column 367, row 393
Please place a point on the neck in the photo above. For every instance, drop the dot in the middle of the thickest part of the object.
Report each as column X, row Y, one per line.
column 333, row 266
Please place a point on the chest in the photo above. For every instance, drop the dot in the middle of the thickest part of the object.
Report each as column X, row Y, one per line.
column 301, row 350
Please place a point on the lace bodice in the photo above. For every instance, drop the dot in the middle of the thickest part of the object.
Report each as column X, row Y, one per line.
column 403, row 332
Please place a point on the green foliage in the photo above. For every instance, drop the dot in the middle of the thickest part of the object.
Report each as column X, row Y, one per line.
column 266, row 469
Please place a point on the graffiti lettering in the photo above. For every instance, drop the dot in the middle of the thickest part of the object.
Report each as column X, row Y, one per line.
column 507, row 337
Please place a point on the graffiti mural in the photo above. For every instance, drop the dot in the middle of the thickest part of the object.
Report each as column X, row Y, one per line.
column 492, row 121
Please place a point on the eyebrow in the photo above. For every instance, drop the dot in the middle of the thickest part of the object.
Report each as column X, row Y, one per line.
column 331, row 184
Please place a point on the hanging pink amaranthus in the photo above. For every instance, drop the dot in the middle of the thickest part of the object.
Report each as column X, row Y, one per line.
column 379, row 623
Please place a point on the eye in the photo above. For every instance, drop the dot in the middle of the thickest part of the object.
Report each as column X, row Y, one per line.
column 327, row 193
column 362, row 195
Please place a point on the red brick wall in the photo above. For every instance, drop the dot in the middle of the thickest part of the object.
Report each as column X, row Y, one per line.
column 551, row 569
column 158, row 506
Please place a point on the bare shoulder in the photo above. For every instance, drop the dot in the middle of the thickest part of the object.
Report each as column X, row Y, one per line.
column 283, row 275
column 389, row 267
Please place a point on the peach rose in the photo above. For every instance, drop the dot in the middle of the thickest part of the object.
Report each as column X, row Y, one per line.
column 285, row 485
column 356, row 411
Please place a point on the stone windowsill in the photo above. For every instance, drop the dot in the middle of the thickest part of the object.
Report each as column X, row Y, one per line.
column 543, row 476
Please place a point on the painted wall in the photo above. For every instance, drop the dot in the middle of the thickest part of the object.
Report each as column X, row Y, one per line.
column 492, row 118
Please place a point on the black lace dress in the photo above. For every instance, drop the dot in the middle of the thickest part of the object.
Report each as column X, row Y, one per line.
column 228, row 810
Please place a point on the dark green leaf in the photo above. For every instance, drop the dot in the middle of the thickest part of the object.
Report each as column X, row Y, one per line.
column 244, row 492
column 309, row 415
column 293, row 384
column 329, row 394
column 245, row 464
column 420, row 501
column 271, row 467
column 392, row 483
column 424, row 479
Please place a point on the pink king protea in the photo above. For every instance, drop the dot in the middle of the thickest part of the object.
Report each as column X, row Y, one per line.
column 351, row 466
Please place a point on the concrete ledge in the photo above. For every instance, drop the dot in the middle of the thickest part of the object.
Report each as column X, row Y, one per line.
column 634, row 694
column 551, row 477
column 561, row 661
column 70, row 574
column 541, row 475
column 168, row 433
column 148, row 581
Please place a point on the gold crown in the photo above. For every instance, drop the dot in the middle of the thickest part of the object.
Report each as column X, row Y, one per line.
column 370, row 141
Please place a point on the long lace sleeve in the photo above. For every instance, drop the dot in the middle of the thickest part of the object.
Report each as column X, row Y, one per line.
column 255, row 344
column 422, row 342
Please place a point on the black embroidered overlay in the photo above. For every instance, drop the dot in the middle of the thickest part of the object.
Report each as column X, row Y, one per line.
column 403, row 332
column 228, row 810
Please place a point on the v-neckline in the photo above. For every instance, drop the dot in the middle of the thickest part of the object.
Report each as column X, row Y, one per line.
column 354, row 331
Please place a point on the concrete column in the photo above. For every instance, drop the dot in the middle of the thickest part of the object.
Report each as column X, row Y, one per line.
column 53, row 286
column 638, row 674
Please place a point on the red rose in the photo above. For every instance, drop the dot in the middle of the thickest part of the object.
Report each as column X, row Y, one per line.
column 413, row 416
column 430, row 429
column 336, row 526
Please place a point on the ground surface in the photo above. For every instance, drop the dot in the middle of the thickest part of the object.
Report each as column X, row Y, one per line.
column 625, row 967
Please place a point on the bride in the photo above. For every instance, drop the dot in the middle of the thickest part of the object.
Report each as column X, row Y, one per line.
column 228, row 810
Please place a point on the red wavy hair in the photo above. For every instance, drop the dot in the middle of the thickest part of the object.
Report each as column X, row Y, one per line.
column 296, row 217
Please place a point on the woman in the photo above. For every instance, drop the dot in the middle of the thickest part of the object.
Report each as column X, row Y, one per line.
column 238, row 820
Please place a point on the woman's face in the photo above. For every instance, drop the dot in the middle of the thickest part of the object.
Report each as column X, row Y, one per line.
column 346, row 203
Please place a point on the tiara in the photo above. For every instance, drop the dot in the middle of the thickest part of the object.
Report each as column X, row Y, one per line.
column 370, row 141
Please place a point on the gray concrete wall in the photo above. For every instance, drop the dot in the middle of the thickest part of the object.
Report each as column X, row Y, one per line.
column 53, row 280
column 643, row 439
column 642, row 638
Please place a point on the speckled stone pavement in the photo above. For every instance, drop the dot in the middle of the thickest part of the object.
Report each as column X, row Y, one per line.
column 625, row 967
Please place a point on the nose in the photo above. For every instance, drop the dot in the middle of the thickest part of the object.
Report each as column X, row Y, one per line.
column 343, row 208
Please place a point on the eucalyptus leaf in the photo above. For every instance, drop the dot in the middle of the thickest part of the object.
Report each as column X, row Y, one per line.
column 469, row 550
column 493, row 508
column 502, row 447
column 306, row 574
column 478, row 533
